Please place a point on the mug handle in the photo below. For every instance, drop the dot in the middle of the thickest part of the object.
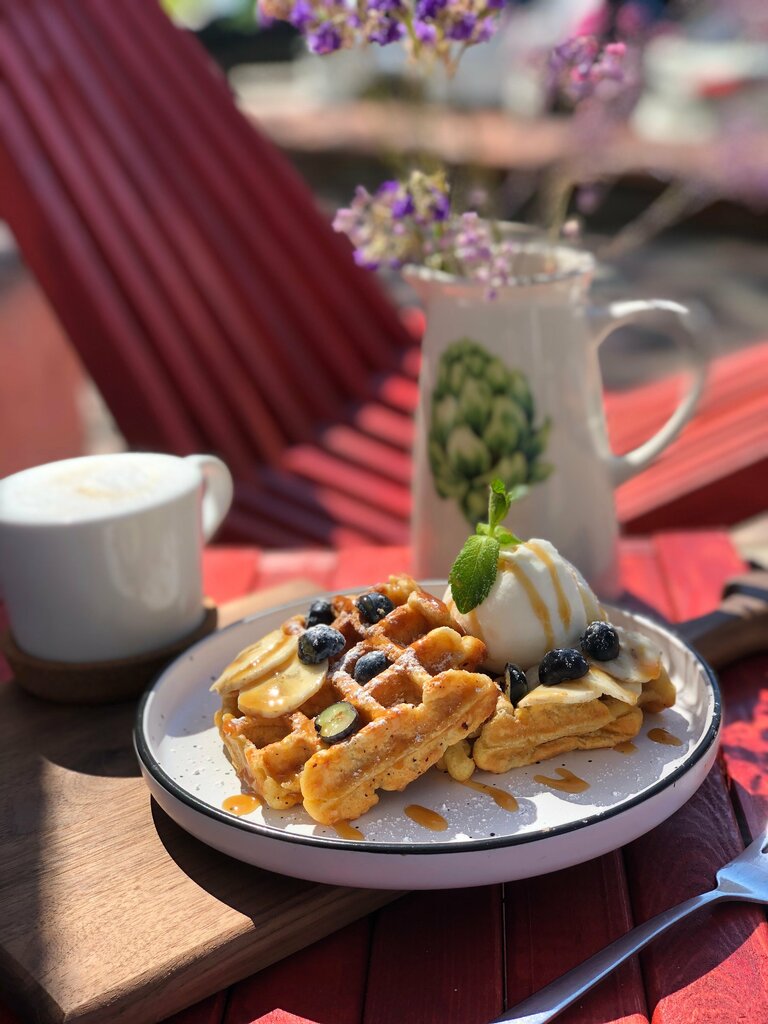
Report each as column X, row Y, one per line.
column 606, row 320
column 217, row 491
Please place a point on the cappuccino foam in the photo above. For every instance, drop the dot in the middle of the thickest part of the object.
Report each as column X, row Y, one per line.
column 92, row 487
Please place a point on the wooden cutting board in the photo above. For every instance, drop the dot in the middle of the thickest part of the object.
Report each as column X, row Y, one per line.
column 108, row 910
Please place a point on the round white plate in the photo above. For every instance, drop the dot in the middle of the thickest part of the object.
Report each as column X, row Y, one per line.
column 183, row 762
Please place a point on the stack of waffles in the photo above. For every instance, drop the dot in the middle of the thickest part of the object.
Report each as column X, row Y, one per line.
column 430, row 697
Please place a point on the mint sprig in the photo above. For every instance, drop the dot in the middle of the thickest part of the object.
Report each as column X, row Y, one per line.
column 473, row 573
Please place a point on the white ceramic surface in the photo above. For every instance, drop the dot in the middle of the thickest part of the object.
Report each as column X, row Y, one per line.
column 183, row 763
column 542, row 327
column 100, row 556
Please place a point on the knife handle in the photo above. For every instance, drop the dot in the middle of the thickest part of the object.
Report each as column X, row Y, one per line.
column 739, row 627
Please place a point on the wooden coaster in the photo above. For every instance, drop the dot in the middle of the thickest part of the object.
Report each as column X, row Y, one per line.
column 98, row 682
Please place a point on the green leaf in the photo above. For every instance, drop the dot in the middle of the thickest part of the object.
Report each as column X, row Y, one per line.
column 473, row 573
column 498, row 503
column 505, row 537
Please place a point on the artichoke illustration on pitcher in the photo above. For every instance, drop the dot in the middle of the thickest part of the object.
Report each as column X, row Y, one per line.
column 482, row 425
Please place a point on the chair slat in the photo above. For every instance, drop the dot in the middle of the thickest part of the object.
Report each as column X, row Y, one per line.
column 267, row 341
column 322, row 468
column 62, row 254
column 138, row 285
column 351, row 445
column 289, row 279
column 344, row 509
column 142, row 199
column 356, row 296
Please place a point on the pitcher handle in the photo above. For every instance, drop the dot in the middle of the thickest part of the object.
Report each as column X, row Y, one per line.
column 606, row 320
column 217, row 492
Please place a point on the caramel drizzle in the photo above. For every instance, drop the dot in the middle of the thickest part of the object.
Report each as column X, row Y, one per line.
column 592, row 612
column 625, row 747
column 567, row 783
column 242, row 803
column 662, row 736
column 426, row 818
column 539, row 607
column 499, row 797
column 563, row 607
column 344, row 830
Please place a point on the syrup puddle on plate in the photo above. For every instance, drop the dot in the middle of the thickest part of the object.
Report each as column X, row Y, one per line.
column 499, row 797
column 344, row 830
column 627, row 747
column 567, row 783
column 242, row 803
column 426, row 818
column 662, row 736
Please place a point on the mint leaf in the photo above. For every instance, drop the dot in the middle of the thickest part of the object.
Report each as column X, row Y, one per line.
column 473, row 573
column 505, row 537
column 498, row 503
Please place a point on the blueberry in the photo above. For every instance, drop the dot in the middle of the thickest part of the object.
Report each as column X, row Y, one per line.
column 320, row 612
column 515, row 683
column 370, row 665
column 318, row 643
column 560, row 665
column 600, row 641
column 373, row 607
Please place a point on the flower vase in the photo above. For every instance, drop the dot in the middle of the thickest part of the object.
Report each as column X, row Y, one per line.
column 510, row 387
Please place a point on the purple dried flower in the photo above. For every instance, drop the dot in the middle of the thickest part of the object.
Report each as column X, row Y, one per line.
column 486, row 28
column 385, row 31
column 425, row 32
column 441, row 208
column 429, row 9
column 326, row 38
column 403, row 206
column 462, row 29
column 302, row 14
column 578, row 67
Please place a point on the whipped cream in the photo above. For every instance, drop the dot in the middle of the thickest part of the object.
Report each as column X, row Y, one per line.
column 538, row 601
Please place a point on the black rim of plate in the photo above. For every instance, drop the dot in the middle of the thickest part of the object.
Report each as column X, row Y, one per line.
column 366, row 846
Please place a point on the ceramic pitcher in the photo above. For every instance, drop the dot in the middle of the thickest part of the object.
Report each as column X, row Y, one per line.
column 511, row 387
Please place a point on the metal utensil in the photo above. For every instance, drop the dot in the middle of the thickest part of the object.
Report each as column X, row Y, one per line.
column 743, row 878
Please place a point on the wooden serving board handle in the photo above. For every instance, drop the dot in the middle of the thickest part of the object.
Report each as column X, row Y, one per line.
column 739, row 627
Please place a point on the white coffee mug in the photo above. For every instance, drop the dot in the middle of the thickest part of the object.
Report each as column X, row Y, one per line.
column 101, row 556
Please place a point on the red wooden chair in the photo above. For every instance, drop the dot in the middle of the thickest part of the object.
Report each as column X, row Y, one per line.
column 211, row 302
column 217, row 310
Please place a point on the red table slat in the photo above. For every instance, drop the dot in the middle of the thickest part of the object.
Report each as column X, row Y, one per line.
column 556, row 921
column 745, row 738
column 325, row 981
column 715, row 967
column 437, row 957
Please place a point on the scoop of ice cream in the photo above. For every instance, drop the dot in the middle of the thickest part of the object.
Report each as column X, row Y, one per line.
column 538, row 601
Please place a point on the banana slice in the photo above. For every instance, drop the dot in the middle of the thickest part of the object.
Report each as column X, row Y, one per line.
column 258, row 661
column 638, row 661
column 601, row 682
column 577, row 692
column 285, row 691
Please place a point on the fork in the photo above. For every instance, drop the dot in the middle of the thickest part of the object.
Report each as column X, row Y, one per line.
column 743, row 878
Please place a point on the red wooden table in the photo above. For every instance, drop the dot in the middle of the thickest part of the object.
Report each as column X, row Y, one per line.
column 457, row 957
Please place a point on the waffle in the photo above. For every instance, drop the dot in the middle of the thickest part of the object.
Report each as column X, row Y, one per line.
column 517, row 736
column 429, row 698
